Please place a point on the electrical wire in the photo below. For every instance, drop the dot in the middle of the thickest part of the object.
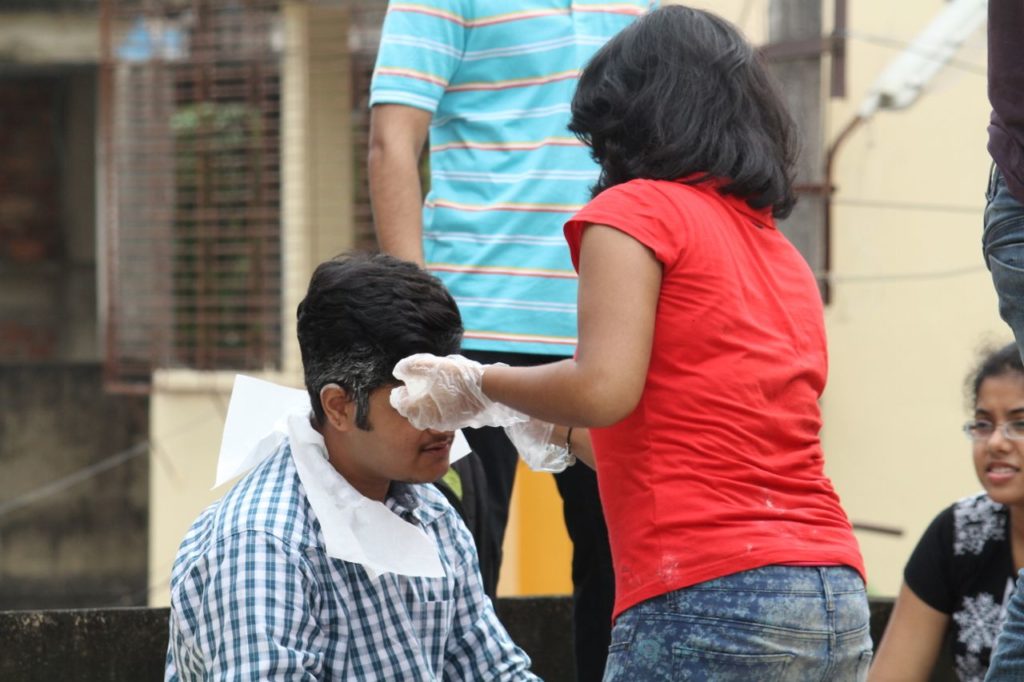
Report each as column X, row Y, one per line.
column 910, row 206
column 897, row 44
column 65, row 482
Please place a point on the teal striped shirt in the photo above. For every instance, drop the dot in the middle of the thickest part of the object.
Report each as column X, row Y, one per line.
column 505, row 172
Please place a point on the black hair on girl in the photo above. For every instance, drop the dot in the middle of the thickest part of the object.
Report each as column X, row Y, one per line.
column 680, row 92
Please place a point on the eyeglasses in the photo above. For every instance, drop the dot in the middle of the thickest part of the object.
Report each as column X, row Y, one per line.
column 979, row 429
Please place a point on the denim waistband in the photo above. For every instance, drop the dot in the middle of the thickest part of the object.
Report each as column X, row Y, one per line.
column 789, row 579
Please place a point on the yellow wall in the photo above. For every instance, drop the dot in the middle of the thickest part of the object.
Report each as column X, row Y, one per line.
column 912, row 300
column 186, row 418
column 538, row 553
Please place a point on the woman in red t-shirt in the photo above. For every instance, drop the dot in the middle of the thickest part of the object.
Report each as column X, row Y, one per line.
column 700, row 363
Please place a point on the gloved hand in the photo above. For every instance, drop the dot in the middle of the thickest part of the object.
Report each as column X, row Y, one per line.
column 445, row 394
column 533, row 442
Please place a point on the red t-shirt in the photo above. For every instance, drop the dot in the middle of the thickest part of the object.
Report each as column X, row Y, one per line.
column 719, row 468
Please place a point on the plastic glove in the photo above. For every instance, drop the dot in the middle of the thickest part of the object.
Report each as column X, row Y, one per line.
column 533, row 441
column 445, row 394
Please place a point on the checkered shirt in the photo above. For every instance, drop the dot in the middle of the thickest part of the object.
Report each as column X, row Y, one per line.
column 254, row 596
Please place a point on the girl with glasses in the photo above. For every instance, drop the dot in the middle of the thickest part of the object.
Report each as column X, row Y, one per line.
column 961, row 574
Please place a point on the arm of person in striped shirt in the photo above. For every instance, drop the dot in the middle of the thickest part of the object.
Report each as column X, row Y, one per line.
column 397, row 135
column 420, row 49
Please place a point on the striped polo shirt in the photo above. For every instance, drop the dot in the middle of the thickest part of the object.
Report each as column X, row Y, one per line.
column 505, row 172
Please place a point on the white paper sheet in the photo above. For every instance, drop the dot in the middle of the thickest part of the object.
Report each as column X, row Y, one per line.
column 261, row 415
column 255, row 425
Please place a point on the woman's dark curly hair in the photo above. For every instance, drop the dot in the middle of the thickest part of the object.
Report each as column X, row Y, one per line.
column 994, row 363
column 680, row 92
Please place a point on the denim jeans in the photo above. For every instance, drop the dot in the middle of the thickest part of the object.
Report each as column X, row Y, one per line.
column 1003, row 244
column 773, row 623
column 1008, row 656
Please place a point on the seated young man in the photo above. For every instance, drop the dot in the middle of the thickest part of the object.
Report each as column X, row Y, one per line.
column 330, row 559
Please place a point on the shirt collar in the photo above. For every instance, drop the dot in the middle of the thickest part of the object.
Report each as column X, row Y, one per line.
column 382, row 537
column 356, row 528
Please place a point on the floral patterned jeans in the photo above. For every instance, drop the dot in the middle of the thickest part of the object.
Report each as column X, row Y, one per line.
column 773, row 623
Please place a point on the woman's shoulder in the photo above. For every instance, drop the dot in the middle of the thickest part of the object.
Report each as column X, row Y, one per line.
column 976, row 506
column 669, row 188
column 658, row 197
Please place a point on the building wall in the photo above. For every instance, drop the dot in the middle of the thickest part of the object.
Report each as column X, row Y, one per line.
column 47, row 209
column 911, row 302
column 73, row 502
column 188, row 408
column 47, row 184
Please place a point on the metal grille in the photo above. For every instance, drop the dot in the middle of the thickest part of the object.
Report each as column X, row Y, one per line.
column 191, row 156
column 364, row 39
column 191, row 133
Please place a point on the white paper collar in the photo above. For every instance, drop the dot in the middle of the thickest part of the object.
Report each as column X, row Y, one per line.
column 355, row 528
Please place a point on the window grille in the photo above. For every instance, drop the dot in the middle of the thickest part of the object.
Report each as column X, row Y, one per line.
column 364, row 39
column 190, row 145
column 190, row 142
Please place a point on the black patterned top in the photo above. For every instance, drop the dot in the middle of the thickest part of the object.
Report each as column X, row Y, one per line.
column 963, row 566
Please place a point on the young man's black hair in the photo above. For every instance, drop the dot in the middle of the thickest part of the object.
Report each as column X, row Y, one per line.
column 361, row 315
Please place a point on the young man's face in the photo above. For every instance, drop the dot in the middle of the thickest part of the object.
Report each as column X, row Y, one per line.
column 393, row 450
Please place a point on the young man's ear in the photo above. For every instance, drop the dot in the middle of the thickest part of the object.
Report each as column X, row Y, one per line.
column 339, row 409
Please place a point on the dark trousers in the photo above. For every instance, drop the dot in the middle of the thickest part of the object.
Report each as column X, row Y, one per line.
column 592, row 577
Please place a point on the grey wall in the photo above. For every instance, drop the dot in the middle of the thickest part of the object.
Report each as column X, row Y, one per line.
column 80, row 543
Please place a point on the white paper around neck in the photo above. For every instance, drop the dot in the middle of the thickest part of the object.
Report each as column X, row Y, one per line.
column 261, row 415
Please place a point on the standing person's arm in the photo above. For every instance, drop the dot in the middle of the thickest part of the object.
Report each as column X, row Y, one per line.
column 619, row 283
column 912, row 641
column 397, row 135
column 582, row 447
column 619, row 287
column 421, row 48
column 621, row 243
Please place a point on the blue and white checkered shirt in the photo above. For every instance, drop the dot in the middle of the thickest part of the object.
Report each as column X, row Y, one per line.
column 254, row 596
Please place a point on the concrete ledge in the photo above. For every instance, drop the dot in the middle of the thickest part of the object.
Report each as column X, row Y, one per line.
column 87, row 644
column 114, row 645
column 129, row 644
column 542, row 626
